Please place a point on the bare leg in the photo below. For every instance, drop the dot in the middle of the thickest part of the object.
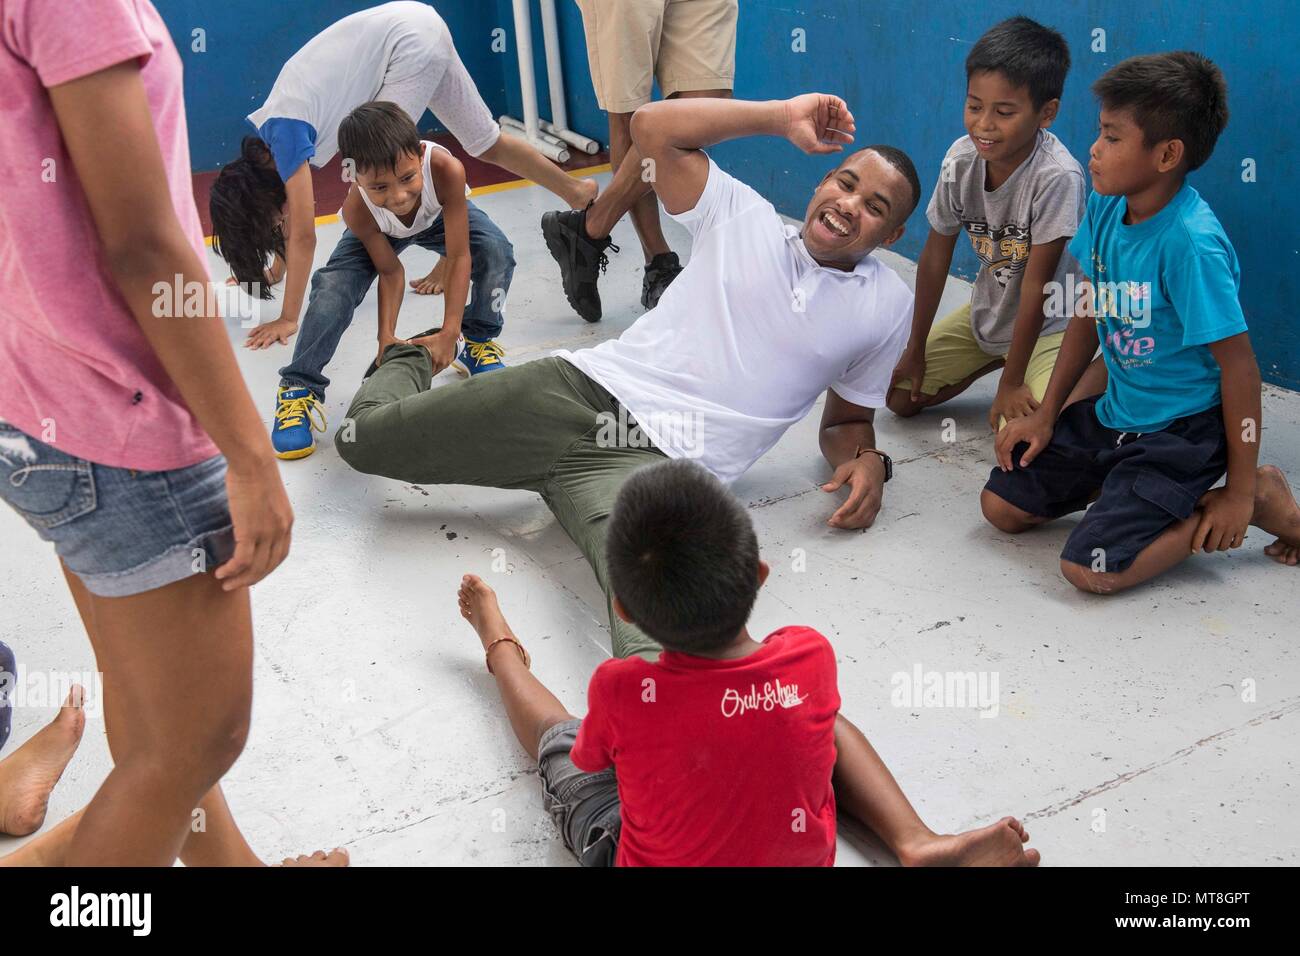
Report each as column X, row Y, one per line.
column 532, row 708
column 866, row 790
column 213, row 838
column 517, row 155
column 1275, row 512
column 28, row 775
column 900, row 399
column 48, row 849
column 628, row 191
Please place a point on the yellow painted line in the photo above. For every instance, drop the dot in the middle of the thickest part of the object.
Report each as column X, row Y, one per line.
column 517, row 183
column 480, row 191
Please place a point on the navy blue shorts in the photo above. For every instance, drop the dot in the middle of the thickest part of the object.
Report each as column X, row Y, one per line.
column 1142, row 483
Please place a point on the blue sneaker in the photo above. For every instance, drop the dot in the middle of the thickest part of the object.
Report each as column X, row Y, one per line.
column 475, row 357
column 297, row 415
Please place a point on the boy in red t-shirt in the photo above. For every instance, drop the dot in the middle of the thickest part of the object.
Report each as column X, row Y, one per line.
column 725, row 751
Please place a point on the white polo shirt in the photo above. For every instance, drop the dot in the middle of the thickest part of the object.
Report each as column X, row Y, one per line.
column 750, row 335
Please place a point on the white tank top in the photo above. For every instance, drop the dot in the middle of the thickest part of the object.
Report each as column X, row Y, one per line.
column 429, row 210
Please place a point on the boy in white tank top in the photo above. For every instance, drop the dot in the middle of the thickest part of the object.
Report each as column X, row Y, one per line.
column 406, row 191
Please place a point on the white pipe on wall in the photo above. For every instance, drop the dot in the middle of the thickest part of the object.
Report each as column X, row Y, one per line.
column 559, row 125
column 527, row 83
column 548, row 138
column 554, row 74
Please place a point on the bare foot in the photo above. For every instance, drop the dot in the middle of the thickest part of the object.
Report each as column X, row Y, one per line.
column 432, row 283
column 336, row 857
column 1000, row 844
column 586, row 194
column 478, row 605
column 28, row 775
column 1277, row 513
column 264, row 336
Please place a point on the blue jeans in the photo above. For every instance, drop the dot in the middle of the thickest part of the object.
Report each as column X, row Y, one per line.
column 341, row 284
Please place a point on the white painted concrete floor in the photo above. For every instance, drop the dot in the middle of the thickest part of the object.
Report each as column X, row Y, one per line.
column 1121, row 733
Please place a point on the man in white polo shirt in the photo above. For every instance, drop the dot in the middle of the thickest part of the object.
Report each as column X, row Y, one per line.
column 765, row 319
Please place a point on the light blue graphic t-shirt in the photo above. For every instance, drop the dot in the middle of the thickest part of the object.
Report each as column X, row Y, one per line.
column 1164, row 290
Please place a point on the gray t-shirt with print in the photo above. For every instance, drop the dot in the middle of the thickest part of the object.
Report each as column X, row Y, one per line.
column 1042, row 200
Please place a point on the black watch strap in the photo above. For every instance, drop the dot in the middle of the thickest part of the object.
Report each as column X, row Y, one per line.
column 889, row 462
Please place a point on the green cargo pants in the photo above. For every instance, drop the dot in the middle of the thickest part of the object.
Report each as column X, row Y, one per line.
column 543, row 426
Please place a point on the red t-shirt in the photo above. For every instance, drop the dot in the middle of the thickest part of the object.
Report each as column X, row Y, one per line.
column 720, row 763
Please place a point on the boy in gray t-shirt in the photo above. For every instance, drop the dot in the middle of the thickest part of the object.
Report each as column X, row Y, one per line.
column 1019, row 195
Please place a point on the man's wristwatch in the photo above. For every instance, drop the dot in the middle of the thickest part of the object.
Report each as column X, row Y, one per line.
column 889, row 462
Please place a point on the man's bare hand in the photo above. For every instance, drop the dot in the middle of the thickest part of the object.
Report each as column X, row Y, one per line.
column 819, row 123
column 865, row 476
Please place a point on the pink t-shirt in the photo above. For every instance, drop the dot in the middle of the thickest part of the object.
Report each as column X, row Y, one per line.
column 75, row 369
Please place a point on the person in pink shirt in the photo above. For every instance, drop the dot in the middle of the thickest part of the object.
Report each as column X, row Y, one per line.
column 726, row 751
column 127, row 437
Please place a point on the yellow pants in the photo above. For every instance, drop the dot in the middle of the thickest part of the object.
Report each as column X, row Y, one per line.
column 952, row 354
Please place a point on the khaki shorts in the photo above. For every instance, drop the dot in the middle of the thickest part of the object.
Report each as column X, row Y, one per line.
column 952, row 354
column 688, row 45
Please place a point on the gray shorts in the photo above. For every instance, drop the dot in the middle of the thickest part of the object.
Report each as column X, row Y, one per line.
column 584, row 805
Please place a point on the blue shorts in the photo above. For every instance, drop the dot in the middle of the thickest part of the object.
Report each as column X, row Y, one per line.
column 122, row 532
column 8, row 674
column 1142, row 483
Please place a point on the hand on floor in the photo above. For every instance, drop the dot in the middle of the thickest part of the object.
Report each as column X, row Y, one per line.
column 264, row 336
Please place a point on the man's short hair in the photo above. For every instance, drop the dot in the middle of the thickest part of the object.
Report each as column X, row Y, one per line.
column 1178, row 95
column 1026, row 53
column 902, row 163
column 682, row 557
column 376, row 134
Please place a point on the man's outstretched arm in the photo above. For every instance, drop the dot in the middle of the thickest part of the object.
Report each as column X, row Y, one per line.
column 846, row 431
column 669, row 134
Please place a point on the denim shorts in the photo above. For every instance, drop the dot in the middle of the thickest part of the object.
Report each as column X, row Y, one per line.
column 8, row 674
column 585, row 806
column 1142, row 483
column 120, row 531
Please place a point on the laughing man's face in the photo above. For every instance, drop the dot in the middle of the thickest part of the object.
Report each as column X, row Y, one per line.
column 858, row 207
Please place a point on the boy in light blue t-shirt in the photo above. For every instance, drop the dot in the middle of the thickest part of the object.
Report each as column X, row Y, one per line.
column 1182, row 404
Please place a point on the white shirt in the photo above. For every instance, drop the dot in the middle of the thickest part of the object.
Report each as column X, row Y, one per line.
column 425, row 216
column 395, row 46
column 749, row 336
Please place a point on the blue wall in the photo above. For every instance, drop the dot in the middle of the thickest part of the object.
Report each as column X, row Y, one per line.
column 898, row 63
column 247, row 41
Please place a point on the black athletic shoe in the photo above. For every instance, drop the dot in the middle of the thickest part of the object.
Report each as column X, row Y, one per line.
column 659, row 275
column 582, row 260
column 374, row 368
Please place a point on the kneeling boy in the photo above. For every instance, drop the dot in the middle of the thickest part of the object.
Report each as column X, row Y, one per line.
column 726, row 751
column 1182, row 404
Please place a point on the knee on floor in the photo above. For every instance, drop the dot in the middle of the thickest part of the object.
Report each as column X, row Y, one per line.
column 900, row 403
column 352, row 447
column 1003, row 515
column 1089, row 581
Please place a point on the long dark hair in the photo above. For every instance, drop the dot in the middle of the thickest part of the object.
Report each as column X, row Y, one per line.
column 245, row 204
